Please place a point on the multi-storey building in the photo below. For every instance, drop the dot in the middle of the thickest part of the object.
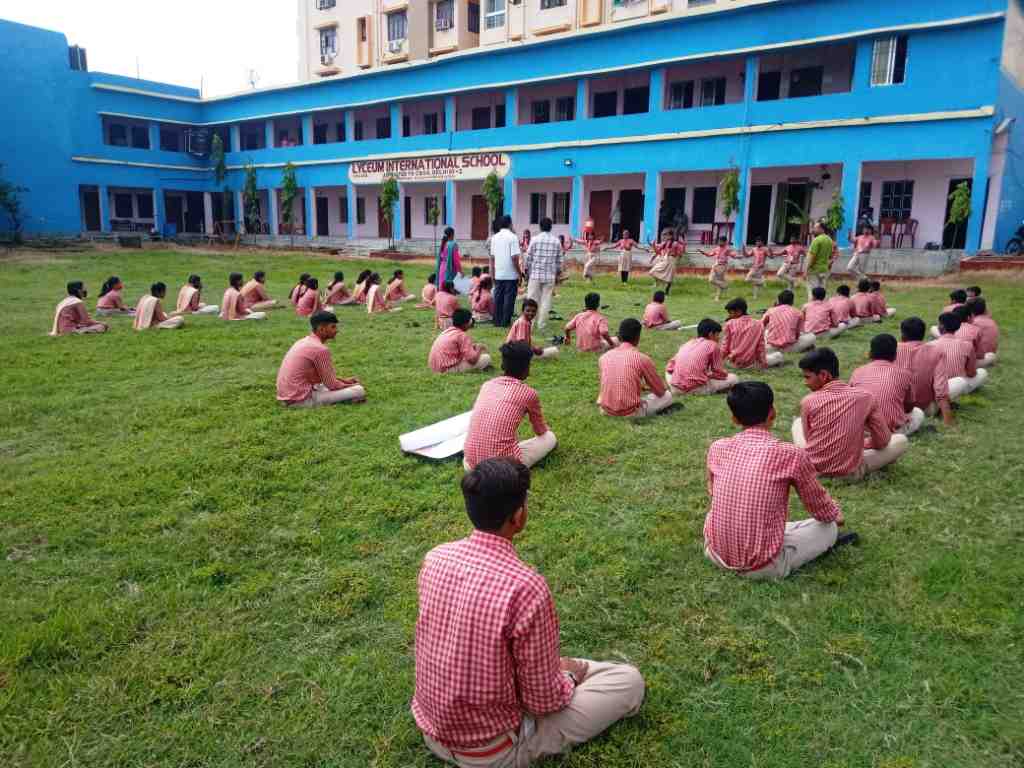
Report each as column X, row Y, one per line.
column 882, row 107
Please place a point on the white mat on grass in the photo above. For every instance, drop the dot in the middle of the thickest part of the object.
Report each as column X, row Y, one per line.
column 438, row 441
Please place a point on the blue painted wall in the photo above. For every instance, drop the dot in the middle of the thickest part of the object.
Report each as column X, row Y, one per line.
column 1011, row 212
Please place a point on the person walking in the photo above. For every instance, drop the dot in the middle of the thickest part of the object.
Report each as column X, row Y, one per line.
column 544, row 265
column 504, row 265
column 819, row 260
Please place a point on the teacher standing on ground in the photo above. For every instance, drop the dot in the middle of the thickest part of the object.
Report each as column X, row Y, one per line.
column 504, row 264
column 819, row 260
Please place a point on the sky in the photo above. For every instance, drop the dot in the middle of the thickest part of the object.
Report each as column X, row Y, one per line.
column 185, row 42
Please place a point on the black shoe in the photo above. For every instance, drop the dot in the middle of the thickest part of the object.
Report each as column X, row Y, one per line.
column 670, row 409
column 851, row 537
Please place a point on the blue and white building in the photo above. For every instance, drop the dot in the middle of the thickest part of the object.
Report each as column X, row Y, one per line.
column 890, row 105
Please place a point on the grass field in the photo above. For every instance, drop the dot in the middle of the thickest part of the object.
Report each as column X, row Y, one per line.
column 192, row 575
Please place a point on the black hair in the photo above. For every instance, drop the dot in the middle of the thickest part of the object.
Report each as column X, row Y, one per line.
column 883, row 347
column 235, row 279
column 312, row 283
column 461, row 317
column 449, row 287
column 195, row 281
column 303, row 278
column 950, row 322
column 629, row 330
column 477, row 272
column 495, row 491
column 977, row 305
column 964, row 312
column 818, row 293
column 322, row 318
column 843, row 290
column 108, row 284
column 659, row 297
column 449, row 234
column 486, row 269
column 496, row 226
column 592, row 300
column 751, row 402
column 432, row 279
column 530, row 303
column 515, row 359
column 363, row 275
column 486, row 283
column 820, row 359
column 912, row 329
column 786, row 297
column 75, row 288
column 339, row 277
column 875, row 285
column 259, row 275
column 545, row 224
column 373, row 279
column 959, row 296
column 975, row 289
column 398, row 275
column 506, row 222
column 737, row 305
column 707, row 326
column 864, row 286
column 158, row 289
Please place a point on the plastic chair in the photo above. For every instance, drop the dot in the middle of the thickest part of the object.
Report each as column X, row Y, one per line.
column 887, row 227
column 909, row 229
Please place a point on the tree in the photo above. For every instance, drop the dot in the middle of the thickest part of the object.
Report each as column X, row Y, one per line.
column 10, row 205
column 494, row 194
column 433, row 218
column 251, row 200
column 220, row 173
column 729, row 193
column 959, row 208
column 289, row 191
column 835, row 216
column 388, row 200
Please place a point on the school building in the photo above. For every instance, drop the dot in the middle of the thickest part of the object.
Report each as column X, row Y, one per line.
column 632, row 121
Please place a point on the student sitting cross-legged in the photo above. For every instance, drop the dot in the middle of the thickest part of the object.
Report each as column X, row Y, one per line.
column 446, row 301
column 957, row 298
column 969, row 332
column 891, row 386
column 743, row 343
column 864, row 305
column 697, row 368
column 784, row 327
column 591, row 327
column 834, row 418
column 988, row 347
column 337, row 293
column 255, row 293
column 428, row 293
column 396, row 289
column 483, row 301
column 150, row 314
column 625, row 373
column 819, row 316
column 306, row 378
column 959, row 361
column 500, row 407
column 522, row 330
column 111, row 301
column 842, row 308
column 454, row 352
column 71, row 316
column 927, row 368
column 656, row 315
column 232, row 306
column 491, row 690
column 309, row 302
column 299, row 290
column 749, row 477
column 190, row 299
column 882, row 308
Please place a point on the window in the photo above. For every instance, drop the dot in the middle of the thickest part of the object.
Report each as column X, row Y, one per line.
column 560, row 207
column 360, row 210
column 680, row 95
column 865, row 200
column 430, row 204
column 357, row 130
column 769, row 86
column 343, row 210
column 252, row 138
column 541, row 111
column 481, row 118
column 396, row 26
column 430, row 123
column 170, row 139
column 712, row 91
column 494, row 14
column 538, row 207
column 889, row 61
column 328, row 42
column 606, row 104
column 144, row 205
column 323, row 5
column 565, row 108
column 705, row 200
column 123, row 206
column 473, row 18
column 897, row 199
column 806, row 82
column 545, row 4
column 320, row 133
column 636, row 100
column 406, row 126
column 361, row 29
column 118, row 135
column 140, row 136
column 444, row 15
column 499, row 116
column 383, row 127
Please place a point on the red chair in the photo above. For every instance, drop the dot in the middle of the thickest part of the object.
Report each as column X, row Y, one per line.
column 887, row 227
column 909, row 229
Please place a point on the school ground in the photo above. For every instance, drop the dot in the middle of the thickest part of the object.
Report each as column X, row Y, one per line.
column 192, row 575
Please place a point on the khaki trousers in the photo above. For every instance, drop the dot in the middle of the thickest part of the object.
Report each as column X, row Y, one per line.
column 609, row 693
column 874, row 459
column 533, row 450
column 482, row 363
column 541, row 293
column 804, row 541
column 814, row 280
column 321, row 395
column 802, row 344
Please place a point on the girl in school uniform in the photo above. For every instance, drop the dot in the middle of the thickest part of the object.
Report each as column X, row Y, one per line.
column 359, row 294
column 591, row 245
column 428, row 293
column 375, row 297
column 445, row 304
column 396, row 288
column 337, row 292
column 71, row 316
column 299, row 290
column 309, row 303
column 189, row 299
column 233, row 305
column 760, row 253
column 483, row 302
column 150, row 313
column 625, row 246
column 111, row 301
column 667, row 253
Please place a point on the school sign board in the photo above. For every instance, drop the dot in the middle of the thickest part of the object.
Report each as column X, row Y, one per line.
column 452, row 167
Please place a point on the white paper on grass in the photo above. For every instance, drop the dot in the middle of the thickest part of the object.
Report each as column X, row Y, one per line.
column 462, row 284
column 438, row 441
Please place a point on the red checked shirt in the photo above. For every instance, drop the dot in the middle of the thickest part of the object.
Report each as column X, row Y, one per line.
column 624, row 372
column 989, row 333
column 818, row 317
column 521, row 330
column 834, row 419
column 487, row 643
column 958, row 358
column 863, row 305
column 308, row 362
column 971, row 333
column 655, row 314
column 927, row 372
column 494, row 426
column 450, row 348
column 881, row 306
column 840, row 306
column 445, row 305
column 783, row 325
column 696, row 361
column 892, row 388
column 749, row 477
column 590, row 326
column 743, row 342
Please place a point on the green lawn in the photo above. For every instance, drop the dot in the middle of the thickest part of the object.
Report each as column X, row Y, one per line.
column 192, row 575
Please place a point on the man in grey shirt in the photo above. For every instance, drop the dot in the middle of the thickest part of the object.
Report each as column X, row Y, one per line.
column 505, row 272
column 543, row 264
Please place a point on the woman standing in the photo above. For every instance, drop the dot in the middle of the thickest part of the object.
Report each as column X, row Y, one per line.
column 667, row 253
column 449, row 261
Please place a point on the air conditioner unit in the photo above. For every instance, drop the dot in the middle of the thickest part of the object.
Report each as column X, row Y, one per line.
column 395, row 46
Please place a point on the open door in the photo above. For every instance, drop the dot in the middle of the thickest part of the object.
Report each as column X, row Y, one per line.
column 323, row 224
column 759, row 214
column 91, row 209
column 954, row 236
column 407, row 218
column 631, row 203
column 673, row 205
column 601, row 213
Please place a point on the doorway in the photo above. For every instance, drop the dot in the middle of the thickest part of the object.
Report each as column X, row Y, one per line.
column 323, row 216
column 673, row 208
column 195, row 206
column 175, row 212
column 480, row 228
column 792, row 206
column 383, row 227
column 407, row 218
column 631, row 205
column 91, row 209
column 601, row 213
column 759, row 214
column 954, row 236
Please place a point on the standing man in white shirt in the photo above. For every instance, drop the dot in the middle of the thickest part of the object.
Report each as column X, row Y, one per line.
column 543, row 264
column 505, row 270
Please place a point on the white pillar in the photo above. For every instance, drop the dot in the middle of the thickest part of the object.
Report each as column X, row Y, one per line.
column 208, row 212
column 272, row 210
column 239, row 212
